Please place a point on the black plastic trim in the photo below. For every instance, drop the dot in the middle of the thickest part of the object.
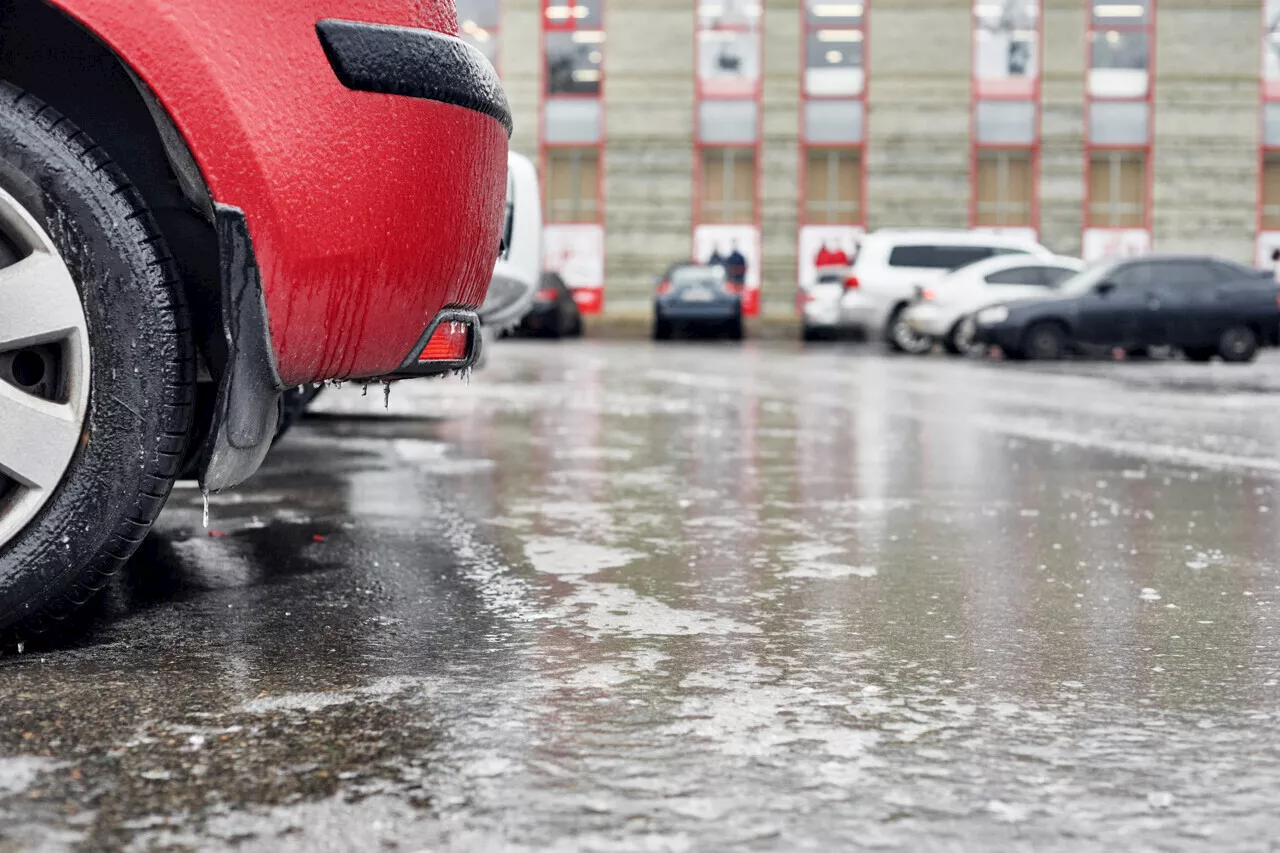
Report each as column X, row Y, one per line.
column 415, row 63
column 249, row 386
column 412, row 367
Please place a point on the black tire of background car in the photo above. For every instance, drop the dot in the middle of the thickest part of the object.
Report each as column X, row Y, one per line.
column 1200, row 354
column 293, row 405
column 142, row 379
column 735, row 331
column 1045, row 341
column 661, row 329
column 1238, row 344
column 575, row 324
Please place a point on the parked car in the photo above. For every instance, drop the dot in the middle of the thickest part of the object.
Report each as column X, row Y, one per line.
column 892, row 262
column 820, row 302
column 695, row 296
column 1206, row 306
column 187, row 234
column 518, row 272
column 554, row 313
column 944, row 310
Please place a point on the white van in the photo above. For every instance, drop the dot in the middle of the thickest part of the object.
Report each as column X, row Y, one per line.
column 519, row 268
column 893, row 262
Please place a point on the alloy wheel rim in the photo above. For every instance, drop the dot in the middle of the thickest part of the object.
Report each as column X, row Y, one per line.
column 905, row 337
column 44, row 369
column 965, row 335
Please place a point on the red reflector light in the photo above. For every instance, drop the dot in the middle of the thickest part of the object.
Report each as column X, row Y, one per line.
column 851, row 283
column 451, row 341
column 664, row 288
column 548, row 294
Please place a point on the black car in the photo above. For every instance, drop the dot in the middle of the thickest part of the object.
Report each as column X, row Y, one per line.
column 554, row 313
column 692, row 295
column 1206, row 306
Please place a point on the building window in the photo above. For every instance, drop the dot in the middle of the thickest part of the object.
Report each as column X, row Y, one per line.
column 479, row 24
column 1004, row 189
column 729, row 185
column 573, row 182
column 1006, row 47
column 1117, row 189
column 833, row 183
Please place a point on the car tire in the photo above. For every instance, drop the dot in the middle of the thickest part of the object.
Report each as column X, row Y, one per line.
column 1045, row 342
column 900, row 337
column 735, row 330
column 1200, row 354
column 959, row 341
column 809, row 334
column 125, row 374
column 1238, row 344
column 661, row 329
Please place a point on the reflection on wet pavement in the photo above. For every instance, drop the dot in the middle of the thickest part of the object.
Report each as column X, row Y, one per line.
column 616, row 597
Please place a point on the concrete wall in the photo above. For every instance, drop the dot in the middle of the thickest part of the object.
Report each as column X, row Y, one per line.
column 1207, row 126
column 780, row 157
column 918, row 123
column 1062, row 125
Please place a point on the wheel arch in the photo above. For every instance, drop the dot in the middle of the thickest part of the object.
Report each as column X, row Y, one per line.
column 53, row 56
column 48, row 52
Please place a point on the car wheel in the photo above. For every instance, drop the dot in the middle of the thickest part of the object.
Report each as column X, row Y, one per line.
column 902, row 338
column 961, row 340
column 808, row 333
column 1201, row 354
column 661, row 329
column 96, row 366
column 1045, row 341
column 1238, row 344
column 735, row 329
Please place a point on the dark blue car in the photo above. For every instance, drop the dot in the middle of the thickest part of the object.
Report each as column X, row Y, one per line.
column 694, row 296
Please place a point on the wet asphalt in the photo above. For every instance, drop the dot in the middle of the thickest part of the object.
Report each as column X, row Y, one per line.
column 619, row 597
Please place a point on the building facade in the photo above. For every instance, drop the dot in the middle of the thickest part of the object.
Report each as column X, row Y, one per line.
column 777, row 129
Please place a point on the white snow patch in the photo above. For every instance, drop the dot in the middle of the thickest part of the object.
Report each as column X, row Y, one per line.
column 19, row 772
column 569, row 557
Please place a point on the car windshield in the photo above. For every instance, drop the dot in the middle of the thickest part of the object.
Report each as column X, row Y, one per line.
column 698, row 277
column 1087, row 278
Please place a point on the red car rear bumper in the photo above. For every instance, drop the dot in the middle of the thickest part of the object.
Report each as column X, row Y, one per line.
column 372, row 202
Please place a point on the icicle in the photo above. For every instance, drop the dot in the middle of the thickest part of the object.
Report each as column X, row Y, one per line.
column 204, row 492
column 386, row 395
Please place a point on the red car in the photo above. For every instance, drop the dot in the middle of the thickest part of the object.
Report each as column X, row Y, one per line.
column 203, row 203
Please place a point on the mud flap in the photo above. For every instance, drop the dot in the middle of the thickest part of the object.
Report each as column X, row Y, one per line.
column 249, row 387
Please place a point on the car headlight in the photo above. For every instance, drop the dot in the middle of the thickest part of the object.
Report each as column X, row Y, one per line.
column 992, row 316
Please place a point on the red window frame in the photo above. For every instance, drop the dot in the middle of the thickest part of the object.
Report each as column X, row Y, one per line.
column 1267, row 95
column 976, row 95
column 807, row 27
column 1149, row 26
column 699, row 96
column 751, row 306
column 570, row 25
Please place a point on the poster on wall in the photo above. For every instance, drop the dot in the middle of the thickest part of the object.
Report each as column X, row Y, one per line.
column 576, row 252
column 1100, row 243
column 826, row 245
column 1006, row 61
column 737, row 247
column 1268, row 245
column 1271, row 50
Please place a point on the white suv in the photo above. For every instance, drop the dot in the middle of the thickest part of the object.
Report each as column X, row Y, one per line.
column 893, row 262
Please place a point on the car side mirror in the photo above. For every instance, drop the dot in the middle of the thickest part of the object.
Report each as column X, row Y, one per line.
column 1105, row 287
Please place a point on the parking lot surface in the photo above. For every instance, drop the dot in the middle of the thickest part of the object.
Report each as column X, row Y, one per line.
column 614, row 596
